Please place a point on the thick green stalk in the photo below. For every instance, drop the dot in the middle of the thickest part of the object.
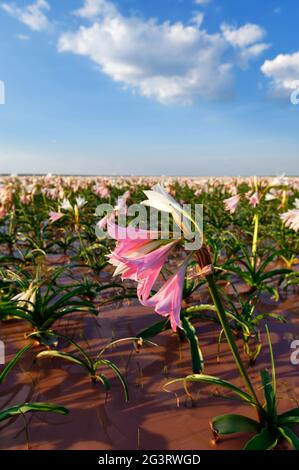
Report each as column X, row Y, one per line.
column 196, row 355
column 231, row 341
column 255, row 238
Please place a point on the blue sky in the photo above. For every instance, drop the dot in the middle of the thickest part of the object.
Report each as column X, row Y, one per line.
column 182, row 87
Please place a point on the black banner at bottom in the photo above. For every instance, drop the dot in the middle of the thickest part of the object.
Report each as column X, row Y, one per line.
column 134, row 459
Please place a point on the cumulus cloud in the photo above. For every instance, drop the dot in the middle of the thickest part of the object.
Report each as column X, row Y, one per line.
column 170, row 62
column 33, row 15
column 247, row 40
column 243, row 36
column 283, row 72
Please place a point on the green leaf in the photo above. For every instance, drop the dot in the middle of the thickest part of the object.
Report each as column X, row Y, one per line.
column 154, row 329
column 268, row 393
column 14, row 361
column 290, row 417
column 55, row 316
column 273, row 273
column 63, row 355
column 32, row 407
column 233, row 423
column 268, row 260
column 199, row 308
column 86, row 358
column 265, row 440
column 67, row 299
column 210, row 380
column 290, row 436
column 196, row 354
column 263, row 316
column 271, row 290
column 118, row 373
column 272, row 361
column 103, row 379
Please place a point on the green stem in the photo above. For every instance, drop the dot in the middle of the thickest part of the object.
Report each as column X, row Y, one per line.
column 255, row 237
column 231, row 341
column 83, row 248
column 196, row 355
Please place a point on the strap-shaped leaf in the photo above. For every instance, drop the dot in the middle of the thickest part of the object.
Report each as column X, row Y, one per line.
column 233, row 423
column 275, row 272
column 13, row 362
column 118, row 373
column 265, row 440
column 268, row 260
column 268, row 392
column 211, row 380
column 32, row 407
column 199, row 308
column 290, row 417
column 154, row 329
column 263, row 316
column 290, row 436
column 272, row 363
column 63, row 355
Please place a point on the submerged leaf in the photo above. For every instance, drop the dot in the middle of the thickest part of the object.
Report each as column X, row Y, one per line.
column 233, row 423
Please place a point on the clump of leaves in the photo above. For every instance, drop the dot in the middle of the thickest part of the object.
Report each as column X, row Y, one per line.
column 92, row 366
column 43, row 306
column 23, row 408
column 271, row 426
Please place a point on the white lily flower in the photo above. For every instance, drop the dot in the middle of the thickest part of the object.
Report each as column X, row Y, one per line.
column 270, row 196
column 281, row 180
column 161, row 200
column 66, row 205
column 80, row 201
column 27, row 298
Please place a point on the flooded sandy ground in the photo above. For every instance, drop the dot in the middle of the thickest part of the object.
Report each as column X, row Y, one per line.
column 153, row 418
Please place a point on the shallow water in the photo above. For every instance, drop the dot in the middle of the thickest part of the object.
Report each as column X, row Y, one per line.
column 153, row 418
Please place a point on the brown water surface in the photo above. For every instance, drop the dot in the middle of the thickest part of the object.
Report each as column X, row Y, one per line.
column 153, row 418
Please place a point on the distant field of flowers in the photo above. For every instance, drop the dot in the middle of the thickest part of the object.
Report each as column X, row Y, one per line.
column 101, row 301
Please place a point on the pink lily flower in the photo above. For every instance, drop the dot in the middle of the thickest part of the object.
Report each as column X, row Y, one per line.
column 168, row 300
column 54, row 216
column 232, row 203
column 254, row 199
column 3, row 213
column 141, row 254
column 141, row 259
column 291, row 217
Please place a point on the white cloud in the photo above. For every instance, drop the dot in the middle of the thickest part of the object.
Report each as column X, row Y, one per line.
column 197, row 18
column 202, row 2
column 252, row 52
column 32, row 15
column 243, row 36
column 22, row 37
column 170, row 62
column 246, row 39
column 93, row 8
column 283, row 72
